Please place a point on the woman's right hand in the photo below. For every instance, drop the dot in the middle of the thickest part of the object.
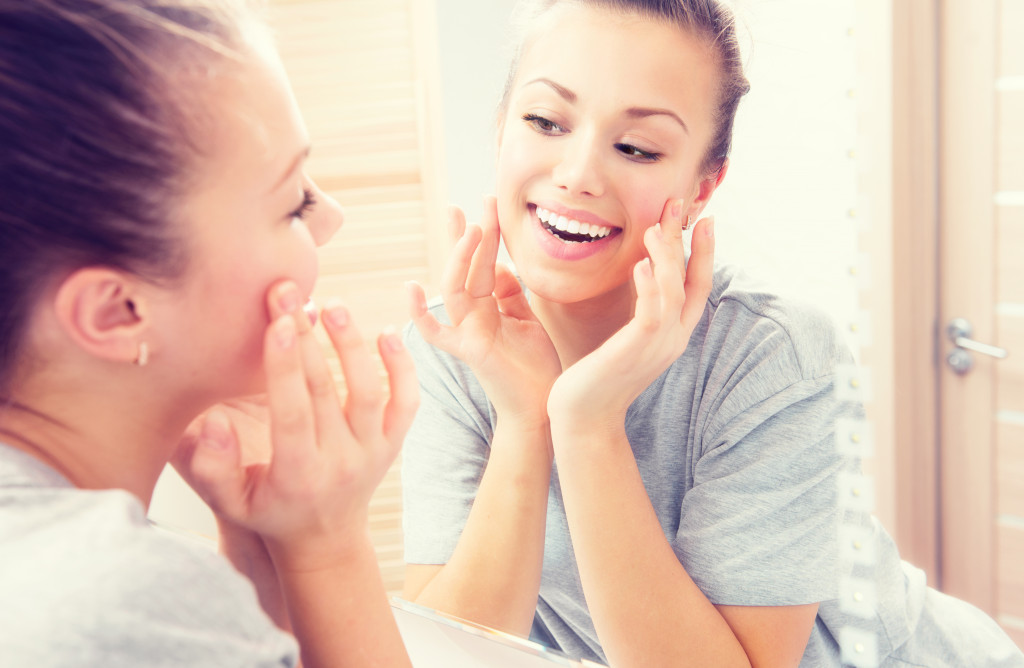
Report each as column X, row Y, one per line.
column 493, row 328
column 310, row 499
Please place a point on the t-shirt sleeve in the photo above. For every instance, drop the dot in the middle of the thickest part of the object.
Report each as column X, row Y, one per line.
column 444, row 454
column 760, row 524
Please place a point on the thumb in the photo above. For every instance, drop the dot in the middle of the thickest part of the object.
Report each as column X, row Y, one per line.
column 214, row 468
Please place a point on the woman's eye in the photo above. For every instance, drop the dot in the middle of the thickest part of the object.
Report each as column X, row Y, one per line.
column 543, row 125
column 636, row 153
column 308, row 202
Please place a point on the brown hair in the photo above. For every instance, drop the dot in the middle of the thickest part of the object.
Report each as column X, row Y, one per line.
column 710, row 20
column 95, row 140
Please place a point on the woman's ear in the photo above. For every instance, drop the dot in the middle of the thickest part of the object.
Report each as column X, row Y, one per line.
column 104, row 311
column 704, row 189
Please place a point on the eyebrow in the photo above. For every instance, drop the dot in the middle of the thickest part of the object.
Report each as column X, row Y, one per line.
column 632, row 112
column 303, row 154
column 644, row 112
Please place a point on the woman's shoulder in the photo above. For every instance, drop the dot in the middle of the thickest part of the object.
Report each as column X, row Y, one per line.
column 746, row 316
column 90, row 562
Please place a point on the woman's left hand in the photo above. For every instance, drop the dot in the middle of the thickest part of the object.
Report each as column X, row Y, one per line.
column 670, row 298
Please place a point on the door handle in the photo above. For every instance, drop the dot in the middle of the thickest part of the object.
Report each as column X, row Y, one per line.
column 959, row 332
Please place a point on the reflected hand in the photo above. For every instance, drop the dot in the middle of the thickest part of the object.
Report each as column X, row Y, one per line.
column 671, row 297
column 493, row 328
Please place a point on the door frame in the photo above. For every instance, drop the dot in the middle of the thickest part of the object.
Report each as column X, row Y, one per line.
column 943, row 231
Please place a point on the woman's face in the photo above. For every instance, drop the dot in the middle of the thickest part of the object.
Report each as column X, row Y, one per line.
column 252, row 219
column 608, row 118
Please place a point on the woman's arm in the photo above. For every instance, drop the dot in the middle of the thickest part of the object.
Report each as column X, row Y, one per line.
column 309, row 503
column 646, row 608
column 493, row 576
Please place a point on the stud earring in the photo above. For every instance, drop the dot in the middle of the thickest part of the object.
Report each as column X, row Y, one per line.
column 143, row 357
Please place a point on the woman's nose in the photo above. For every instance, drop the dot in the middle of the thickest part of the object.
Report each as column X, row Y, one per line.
column 326, row 218
column 579, row 169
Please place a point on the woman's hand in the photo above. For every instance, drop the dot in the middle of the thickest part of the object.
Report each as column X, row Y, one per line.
column 670, row 298
column 493, row 329
column 308, row 497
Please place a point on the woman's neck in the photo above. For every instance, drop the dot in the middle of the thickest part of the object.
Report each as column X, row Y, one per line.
column 96, row 439
column 578, row 329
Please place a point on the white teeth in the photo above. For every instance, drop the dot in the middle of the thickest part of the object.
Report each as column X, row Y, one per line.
column 572, row 226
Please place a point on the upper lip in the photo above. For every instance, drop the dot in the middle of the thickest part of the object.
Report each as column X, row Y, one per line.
column 576, row 214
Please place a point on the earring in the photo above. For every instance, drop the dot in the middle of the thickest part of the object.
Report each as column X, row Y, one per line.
column 143, row 357
column 689, row 221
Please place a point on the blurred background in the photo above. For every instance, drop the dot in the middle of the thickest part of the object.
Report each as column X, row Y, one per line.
column 877, row 171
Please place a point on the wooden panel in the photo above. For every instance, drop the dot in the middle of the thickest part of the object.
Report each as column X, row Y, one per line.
column 1010, row 378
column 967, row 287
column 914, row 306
column 1010, row 140
column 1009, row 251
column 1011, row 46
column 1010, row 573
column 1010, row 471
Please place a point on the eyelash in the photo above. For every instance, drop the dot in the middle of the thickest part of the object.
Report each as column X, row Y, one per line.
column 549, row 128
column 308, row 202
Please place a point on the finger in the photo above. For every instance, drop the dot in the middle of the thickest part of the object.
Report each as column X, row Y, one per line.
column 429, row 327
column 647, row 312
column 509, row 293
column 456, row 224
column 453, row 279
column 292, row 425
column 480, row 282
column 699, row 271
column 404, row 389
column 323, row 392
column 671, row 224
column 669, row 272
column 364, row 404
column 213, row 466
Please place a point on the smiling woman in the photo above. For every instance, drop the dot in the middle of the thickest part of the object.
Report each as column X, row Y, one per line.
column 160, row 234
column 626, row 451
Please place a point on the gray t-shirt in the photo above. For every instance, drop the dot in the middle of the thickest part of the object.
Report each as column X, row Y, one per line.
column 736, row 445
column 86, row 581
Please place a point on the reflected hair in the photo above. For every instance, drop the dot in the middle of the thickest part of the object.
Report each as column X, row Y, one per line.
column 709, row 20
column 95, row 123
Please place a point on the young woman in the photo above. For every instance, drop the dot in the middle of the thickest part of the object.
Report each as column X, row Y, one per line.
column 630, row 455
column 159, row 238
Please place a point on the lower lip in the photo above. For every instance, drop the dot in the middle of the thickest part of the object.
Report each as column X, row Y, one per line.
column 567, row 250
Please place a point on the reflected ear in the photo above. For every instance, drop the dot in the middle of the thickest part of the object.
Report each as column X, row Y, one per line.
column 103, row 311
column 705, row 188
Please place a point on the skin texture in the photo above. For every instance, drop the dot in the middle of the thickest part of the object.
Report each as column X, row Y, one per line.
column 292, row 503
column 608, row 121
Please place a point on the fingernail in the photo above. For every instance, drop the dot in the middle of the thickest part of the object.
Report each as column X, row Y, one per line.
column 711, row 227
column 284, row 332
column 658, row 232
column 336, row 314
column 677, row 209
column 390, row 339
column 288, row 298
column 215, row 430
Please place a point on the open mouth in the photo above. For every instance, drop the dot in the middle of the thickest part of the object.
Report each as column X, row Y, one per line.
column 570, row 230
